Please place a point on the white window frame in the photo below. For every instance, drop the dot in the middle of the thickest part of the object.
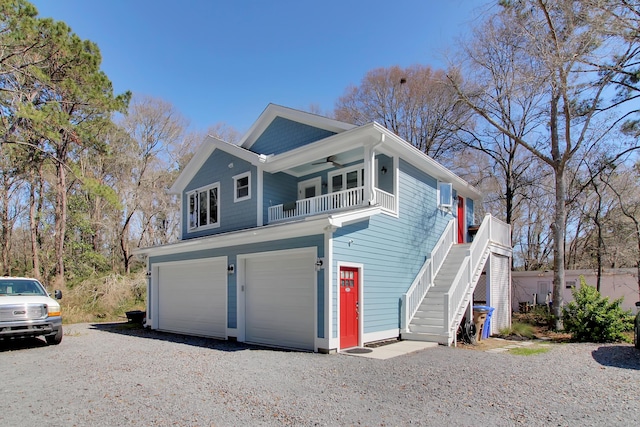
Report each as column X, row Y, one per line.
column 313, row 182
column 359, row 167
column 196, row 194
column 236, row 180
column 446, row 206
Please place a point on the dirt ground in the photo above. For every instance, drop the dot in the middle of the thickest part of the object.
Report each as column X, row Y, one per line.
column 541, row 333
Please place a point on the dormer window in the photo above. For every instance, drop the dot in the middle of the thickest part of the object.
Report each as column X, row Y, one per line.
column 242, row 185
column 204, row 207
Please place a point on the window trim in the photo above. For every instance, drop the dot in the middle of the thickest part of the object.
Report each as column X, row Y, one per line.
column 441, row 205
column 359, row 167
column 197, row 191
column 236, row 179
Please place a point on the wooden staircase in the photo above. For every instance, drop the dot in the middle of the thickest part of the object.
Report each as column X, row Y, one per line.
column 435, row 303
column 428, row 324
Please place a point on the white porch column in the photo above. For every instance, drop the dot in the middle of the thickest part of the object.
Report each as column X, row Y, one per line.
column 369, row 177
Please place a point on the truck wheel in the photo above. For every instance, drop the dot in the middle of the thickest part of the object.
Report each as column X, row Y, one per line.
column 54, row 339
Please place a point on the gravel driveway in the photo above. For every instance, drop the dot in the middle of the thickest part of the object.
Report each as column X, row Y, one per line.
column 108, row 375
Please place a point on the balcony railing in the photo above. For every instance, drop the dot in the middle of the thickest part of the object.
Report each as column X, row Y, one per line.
column 351, row 198
column 386, row 200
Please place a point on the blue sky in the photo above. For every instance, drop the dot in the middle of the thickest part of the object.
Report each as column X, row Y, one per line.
column 224, row 61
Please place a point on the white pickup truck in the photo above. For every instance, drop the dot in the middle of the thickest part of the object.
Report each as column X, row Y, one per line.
column 27, row 310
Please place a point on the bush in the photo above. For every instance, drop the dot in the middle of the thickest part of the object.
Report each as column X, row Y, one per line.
column 538, row 316
column 591, row 317
column 104, row 298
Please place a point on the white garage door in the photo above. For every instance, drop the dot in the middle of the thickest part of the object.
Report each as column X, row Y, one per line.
column 279, row 303
column 192, row 297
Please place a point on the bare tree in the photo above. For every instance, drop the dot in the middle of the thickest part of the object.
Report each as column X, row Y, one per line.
column 153, row 128
column 564, row 46
column 627, row 191
column 415, row 103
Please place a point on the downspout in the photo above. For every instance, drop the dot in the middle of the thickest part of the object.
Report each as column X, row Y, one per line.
column 262, row 159
column 149, row 321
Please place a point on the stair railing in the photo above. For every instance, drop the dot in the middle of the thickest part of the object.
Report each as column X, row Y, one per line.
column 412, row 299
column 459, row 295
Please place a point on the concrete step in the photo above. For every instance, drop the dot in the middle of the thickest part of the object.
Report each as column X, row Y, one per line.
column 442, row 339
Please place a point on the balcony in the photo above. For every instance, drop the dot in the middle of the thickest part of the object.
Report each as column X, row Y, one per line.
column 340, row 200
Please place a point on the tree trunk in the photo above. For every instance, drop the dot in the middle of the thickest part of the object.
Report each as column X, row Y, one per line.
column 560, row 218
column 96, row 241
column 5, row 236
column 61, row 220
column 558, row 259
column 33, row 228
column 599, row 251
column 124, row 244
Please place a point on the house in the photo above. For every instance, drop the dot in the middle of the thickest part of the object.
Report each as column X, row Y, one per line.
column 532, row 287
column 319, row 235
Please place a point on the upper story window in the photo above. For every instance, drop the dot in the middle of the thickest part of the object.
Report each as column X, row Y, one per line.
column 445, row 195
column 346, row 179
column 242, row 186
column 204, row 207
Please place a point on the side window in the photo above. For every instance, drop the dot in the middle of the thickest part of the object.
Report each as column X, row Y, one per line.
column 204, row 207
column 445, row 195
column 242, row 187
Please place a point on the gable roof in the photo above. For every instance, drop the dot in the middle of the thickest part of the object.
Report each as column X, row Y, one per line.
column 273, row 111
column 208, row 146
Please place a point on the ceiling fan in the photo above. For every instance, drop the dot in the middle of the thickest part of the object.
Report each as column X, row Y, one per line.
column 332, row 160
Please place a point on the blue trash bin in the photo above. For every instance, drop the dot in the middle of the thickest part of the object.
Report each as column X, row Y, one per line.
column 486, row 330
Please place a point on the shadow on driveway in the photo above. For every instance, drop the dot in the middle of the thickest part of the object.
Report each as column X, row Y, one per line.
column 618, row 356
column 21, row 343
column 137, row 330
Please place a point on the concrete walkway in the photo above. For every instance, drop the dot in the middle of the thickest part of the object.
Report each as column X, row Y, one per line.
column 390, row 350
column 405, row 347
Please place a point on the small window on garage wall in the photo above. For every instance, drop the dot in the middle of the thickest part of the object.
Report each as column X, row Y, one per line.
column 242, row 187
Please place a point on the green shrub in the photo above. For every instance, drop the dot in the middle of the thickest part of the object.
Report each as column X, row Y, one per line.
column 591, row 317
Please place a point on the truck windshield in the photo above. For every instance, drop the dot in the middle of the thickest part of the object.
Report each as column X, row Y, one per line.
column 9, row 287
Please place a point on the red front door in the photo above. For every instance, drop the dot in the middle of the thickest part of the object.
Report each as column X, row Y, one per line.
column 460, row 220
column 349, row 307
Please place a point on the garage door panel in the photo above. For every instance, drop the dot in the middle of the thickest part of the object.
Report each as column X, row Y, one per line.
column 193, row 298
column 279, row 300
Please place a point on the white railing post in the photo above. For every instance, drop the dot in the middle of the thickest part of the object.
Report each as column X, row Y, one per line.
column 404, row 326
column 445, row 306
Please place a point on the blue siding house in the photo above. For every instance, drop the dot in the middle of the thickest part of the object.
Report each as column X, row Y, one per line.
column 319, row 235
